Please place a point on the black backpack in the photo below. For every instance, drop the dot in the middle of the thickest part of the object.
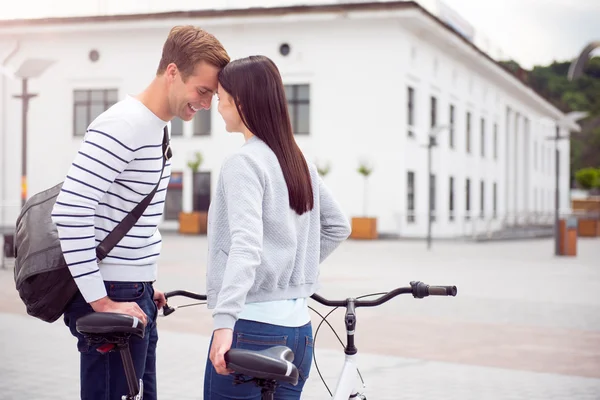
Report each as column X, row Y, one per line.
column 42, row 276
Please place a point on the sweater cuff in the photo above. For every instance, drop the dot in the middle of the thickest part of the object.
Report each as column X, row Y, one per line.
column 223, row 321
column 91, row 287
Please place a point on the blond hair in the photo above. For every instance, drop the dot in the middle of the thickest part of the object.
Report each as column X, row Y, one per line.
column 186, row 46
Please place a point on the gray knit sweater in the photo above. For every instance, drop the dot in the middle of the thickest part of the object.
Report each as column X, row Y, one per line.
column 259, row 248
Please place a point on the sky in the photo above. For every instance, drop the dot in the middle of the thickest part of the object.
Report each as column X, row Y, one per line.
column 531, row 32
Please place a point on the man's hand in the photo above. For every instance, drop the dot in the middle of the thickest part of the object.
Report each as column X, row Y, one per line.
column 159, row 299
column 222, row 339
column 105, row 304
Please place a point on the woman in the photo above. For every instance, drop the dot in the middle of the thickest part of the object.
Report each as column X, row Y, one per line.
column 271, row 223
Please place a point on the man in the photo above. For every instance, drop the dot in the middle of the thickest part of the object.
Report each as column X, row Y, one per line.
column 117, row 166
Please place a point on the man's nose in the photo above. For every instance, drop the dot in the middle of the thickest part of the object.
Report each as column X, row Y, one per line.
column 205, row 104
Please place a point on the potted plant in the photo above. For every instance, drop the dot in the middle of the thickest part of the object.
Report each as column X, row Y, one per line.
column 195, row 222
column 323, row 170
column 364, row 227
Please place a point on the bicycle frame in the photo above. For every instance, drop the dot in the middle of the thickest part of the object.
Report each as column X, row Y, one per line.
column 345, row 387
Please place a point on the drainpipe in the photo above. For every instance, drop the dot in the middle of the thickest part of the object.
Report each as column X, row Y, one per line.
column 5, row 133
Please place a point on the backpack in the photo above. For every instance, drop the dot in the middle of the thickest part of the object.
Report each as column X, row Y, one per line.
column 41, row 274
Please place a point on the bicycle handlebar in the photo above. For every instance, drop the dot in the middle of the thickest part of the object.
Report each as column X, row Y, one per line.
column 185, row 293
column 417, row 289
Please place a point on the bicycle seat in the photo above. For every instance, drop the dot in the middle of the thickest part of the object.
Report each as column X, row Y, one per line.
column 106, row 323
column 274, row 363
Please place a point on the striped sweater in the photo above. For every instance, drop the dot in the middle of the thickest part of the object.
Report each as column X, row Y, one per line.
column 118, row 164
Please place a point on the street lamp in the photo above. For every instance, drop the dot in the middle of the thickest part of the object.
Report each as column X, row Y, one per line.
column 432, row 142
column 568, row 121
column 578, row 64
column 31, row 68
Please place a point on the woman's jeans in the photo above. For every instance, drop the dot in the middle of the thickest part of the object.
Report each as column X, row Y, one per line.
column 102, row 376
column 253, row 335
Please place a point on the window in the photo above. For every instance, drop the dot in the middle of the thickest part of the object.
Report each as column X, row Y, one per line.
column 176, row 127
column 433, row 111
column 432, row 196
column 174, row 196
column 410, row 203
column 495, row 200
column 481, row 199
column 482, row 144
column 451, row 199
column 410, row 111
column 468, row 199
column 451, row 137
column 298, row 100
column 543, row 159
column 468, row 139
column 495, row 141
column 88, row 104
column 202, row 123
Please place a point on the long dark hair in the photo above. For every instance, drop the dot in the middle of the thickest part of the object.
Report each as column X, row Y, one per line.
column 256, row 87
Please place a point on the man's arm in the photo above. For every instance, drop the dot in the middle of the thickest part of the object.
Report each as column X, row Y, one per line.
column 104, row 154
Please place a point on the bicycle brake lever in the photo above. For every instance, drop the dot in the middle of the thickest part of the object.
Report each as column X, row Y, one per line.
column 168, row 310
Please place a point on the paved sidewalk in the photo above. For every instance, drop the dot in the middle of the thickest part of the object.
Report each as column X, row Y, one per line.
column 49, row 369
column 525, row 325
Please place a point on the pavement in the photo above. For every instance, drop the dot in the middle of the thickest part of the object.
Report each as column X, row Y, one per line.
column 524, row 325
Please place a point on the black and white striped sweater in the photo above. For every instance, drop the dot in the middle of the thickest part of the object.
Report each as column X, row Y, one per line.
column 119, row 163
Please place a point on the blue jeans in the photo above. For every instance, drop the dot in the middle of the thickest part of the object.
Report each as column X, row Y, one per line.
column 102, row 377
column 253, row 335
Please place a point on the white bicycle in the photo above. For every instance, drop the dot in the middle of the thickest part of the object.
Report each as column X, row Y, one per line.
column 265, row 368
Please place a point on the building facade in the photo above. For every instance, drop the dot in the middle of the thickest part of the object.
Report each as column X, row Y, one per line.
column 366, row 82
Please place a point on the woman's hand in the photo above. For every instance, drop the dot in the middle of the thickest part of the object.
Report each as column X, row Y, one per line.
column 221, row 343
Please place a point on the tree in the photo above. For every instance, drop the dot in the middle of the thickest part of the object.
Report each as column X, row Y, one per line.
column 588, row 178
column 195, row 164
column 581, row 94
column 365, row 170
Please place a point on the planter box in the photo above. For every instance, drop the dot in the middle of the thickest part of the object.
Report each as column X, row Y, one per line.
column 364, row 228
column 589, row 227
column 193, row 223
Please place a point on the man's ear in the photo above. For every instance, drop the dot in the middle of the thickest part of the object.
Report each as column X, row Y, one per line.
column 171, row 72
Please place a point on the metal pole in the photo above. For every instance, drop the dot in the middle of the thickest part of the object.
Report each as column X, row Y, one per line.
column 24, row 145
column 25, row 96
column 556, row 196
column 429, row 146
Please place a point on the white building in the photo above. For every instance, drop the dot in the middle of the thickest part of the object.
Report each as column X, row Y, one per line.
column 366, row 82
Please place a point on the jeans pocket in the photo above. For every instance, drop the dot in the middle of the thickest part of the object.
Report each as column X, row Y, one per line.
column 125, row 291
column 249, row 341
column 305, row 363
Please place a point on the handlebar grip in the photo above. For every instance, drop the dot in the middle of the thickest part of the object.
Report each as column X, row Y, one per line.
column 421, row 290
column 442, row 290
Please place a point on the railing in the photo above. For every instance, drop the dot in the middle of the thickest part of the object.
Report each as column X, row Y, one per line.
column 473, row 225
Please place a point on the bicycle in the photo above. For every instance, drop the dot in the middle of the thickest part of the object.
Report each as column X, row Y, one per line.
column 266, row 368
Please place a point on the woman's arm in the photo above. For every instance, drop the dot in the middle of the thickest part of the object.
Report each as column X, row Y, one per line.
column 335, row 227
column 243, row 185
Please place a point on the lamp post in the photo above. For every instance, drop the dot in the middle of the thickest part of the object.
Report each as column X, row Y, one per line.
column 569, row 120
column 431, row 143
column 30, row 68
column 578, row 64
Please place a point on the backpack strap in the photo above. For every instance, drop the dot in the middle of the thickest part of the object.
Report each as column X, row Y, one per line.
column 114, row 237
